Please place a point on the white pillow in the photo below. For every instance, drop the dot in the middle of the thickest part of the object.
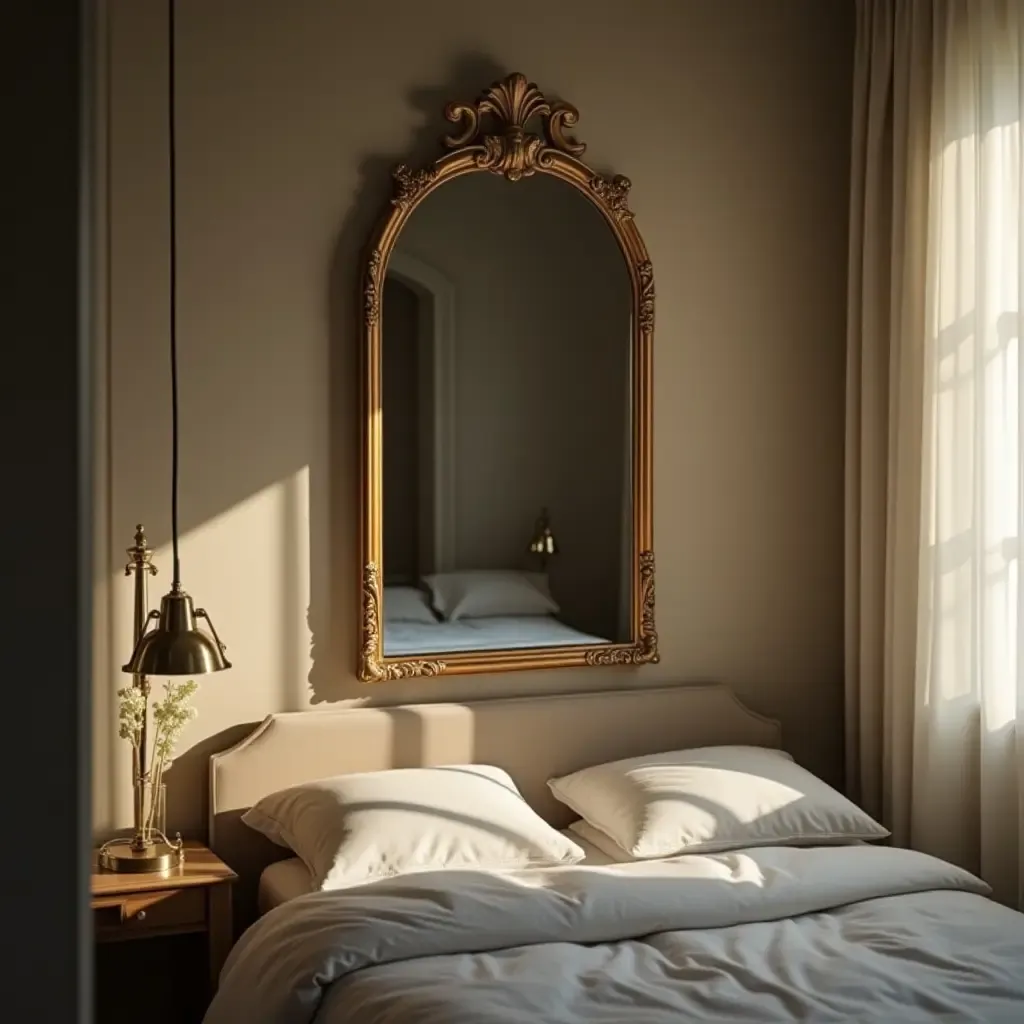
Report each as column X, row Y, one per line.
column 483, row 593
column 605, row 844
column 407, row 604
column 355, row 828
column 710, row 799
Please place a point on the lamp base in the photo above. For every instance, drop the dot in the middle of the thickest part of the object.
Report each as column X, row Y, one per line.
column 125, row 855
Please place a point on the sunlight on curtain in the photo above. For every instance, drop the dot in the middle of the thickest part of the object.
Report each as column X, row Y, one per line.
column 968, row 801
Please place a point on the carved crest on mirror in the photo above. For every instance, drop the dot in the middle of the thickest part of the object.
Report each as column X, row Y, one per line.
column 512, row 131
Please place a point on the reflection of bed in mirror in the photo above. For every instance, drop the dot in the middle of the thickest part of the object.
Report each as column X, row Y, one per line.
column 476, row 611
column 499, row 412
column 496, row 633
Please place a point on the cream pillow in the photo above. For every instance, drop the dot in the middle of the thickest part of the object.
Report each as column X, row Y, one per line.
column 602, row 843
column 356, row 828
column 709, row 799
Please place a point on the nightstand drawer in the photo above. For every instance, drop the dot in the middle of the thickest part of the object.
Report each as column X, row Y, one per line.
column 121, row 916
column 193, row 898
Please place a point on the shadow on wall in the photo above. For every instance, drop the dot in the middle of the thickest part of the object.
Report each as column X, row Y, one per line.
column 335, row 578
column 189, row 774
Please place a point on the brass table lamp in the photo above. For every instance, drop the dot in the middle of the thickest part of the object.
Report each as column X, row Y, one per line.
column 176, row 647
column 140, row 852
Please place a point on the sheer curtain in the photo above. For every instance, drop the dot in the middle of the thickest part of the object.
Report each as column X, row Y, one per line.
column 969, row 758
column 935, row 492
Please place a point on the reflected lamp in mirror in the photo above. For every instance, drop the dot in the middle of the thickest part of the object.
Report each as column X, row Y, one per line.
column 543, row 544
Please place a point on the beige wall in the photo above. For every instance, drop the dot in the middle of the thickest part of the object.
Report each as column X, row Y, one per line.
column 731, row 118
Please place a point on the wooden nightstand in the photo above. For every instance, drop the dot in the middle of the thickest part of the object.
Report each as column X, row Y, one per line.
column 193, row 898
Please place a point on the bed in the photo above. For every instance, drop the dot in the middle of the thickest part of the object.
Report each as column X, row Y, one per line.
column 774, row 932
column 494, row 633
column 475, row 610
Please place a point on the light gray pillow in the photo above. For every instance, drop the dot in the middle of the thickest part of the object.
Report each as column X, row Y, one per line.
column 407, row 604
column 486, row 593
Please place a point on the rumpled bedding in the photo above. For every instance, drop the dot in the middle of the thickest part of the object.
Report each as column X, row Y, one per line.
column 853, row 933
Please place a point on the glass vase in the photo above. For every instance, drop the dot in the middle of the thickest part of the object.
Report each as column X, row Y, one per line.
column 150, row 811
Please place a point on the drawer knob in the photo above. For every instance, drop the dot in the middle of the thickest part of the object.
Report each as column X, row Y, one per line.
column 140, row 916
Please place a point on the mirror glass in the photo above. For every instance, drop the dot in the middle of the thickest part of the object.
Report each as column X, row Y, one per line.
column 507, row 422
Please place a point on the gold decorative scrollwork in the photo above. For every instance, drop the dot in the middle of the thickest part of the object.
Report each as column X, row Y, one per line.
column 648, row 632
column 513, row 150
column 371, row 289
column 646, row 312
column 645, row 650
column 614, row 193
column 371, row 668
column 410, row 184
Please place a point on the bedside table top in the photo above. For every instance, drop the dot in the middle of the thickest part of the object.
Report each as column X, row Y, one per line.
column 201, row 867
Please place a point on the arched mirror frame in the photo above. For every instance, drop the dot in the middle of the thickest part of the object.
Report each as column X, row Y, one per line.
column 511, row 149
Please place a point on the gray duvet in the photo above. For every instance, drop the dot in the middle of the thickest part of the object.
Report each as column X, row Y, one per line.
column 774, row 934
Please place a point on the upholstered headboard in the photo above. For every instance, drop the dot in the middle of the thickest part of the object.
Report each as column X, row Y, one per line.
column 532, row 738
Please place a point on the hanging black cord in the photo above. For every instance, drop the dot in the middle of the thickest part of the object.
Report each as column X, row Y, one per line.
column 176, row 581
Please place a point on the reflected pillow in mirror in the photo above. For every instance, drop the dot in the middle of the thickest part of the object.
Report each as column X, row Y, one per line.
column 407, row 604
column 357, row 828
column 484, row 593
column 708, row 800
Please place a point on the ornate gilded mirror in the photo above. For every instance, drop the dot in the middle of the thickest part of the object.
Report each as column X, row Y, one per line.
column 508, row 318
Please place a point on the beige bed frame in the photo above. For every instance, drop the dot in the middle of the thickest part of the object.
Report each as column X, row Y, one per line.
column 532, row 738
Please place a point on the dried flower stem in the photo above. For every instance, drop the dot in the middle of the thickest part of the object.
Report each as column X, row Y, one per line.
column 169, row 717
